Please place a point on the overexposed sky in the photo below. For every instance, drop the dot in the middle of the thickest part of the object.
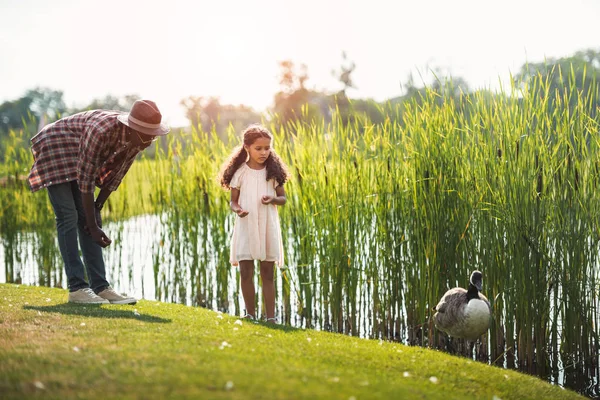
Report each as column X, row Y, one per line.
column 168, row 50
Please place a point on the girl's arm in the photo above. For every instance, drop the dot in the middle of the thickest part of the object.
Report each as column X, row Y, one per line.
column 233, row 203
column 279, row 200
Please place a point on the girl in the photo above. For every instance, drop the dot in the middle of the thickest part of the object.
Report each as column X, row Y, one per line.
column 255, row 176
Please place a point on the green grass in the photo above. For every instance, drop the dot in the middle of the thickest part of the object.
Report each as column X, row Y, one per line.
column 51, row 349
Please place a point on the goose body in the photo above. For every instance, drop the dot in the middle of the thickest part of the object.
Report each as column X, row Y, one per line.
column 463, row 313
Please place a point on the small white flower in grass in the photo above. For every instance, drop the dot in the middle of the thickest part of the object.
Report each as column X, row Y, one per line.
column 269, row 335
column 223, row 345
column 406, row 374
column 10, row 305
column 136, row 313
column 238, row 322
column 308, row 339
column 48, row 300
column 229, row 385
column 39, row 385
column 433, row 379
column 76, row 349
column 82, row 324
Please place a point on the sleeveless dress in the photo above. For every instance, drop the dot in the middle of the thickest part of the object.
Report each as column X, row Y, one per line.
column 257, row 236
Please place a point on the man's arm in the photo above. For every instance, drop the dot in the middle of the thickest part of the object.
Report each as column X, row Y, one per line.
column 90, row 217
column 101, row 199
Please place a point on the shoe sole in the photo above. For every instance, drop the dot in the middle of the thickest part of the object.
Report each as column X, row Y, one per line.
column 132, row 302
column 88, row 302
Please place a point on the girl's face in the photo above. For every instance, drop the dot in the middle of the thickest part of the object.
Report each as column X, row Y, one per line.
column 259, row 151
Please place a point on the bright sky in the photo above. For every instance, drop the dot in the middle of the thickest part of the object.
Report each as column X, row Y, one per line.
column 168, row 50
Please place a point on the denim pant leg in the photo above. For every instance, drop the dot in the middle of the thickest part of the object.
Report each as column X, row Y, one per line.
column 70, row 219
column 63, row 203
column 92, row 251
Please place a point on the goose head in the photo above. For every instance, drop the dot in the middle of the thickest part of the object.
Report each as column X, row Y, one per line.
column 475, row 284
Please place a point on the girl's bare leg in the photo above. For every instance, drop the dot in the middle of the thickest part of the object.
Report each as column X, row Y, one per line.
column 267, row 272
column 247, row 283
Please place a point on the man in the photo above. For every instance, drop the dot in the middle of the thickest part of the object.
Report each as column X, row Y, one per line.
column 74, row 155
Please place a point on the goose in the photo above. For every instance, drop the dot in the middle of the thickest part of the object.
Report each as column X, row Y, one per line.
column 464, row 313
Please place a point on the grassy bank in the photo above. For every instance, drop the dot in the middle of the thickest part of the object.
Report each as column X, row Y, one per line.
column 51, row 349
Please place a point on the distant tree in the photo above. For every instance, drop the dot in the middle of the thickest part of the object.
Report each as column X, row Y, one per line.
column 344, row 74
column 294, row 102
column 35, row 105
column 208, row 115
column 13, row 112
column 565, row 75
column 193, row 108
column 203, row 112
column 46, row 102
column 340, row 101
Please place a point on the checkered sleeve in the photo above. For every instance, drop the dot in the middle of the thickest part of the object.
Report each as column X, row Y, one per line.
column 93, row 149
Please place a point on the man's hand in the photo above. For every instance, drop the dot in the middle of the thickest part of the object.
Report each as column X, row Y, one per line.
column 99, row 236
column 104, row 240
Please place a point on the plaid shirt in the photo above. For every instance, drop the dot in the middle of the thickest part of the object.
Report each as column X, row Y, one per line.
column 90, row 147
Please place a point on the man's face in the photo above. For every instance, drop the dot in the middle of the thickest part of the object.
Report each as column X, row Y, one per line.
column 142, row 140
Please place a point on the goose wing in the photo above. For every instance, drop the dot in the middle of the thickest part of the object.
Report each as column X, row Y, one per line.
column 449, row 309
column 452, row 296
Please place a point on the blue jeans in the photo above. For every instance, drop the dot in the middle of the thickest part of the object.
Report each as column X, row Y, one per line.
column 70, row 220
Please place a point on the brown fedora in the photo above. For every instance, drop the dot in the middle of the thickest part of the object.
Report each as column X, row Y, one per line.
column 144, row 117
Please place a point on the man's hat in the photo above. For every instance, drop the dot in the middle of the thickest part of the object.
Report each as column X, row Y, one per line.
column 144, row 117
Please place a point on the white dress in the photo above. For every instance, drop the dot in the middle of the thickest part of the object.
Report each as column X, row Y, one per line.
column 257, row 236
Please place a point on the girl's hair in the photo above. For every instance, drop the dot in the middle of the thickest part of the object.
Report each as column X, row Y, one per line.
column 276, row 169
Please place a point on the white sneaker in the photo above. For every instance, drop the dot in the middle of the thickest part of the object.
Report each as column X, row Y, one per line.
column 86, row 296
column 115, row 298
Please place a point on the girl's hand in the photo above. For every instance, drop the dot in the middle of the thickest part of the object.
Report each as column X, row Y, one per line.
column 241, row 212
column 266, row 199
